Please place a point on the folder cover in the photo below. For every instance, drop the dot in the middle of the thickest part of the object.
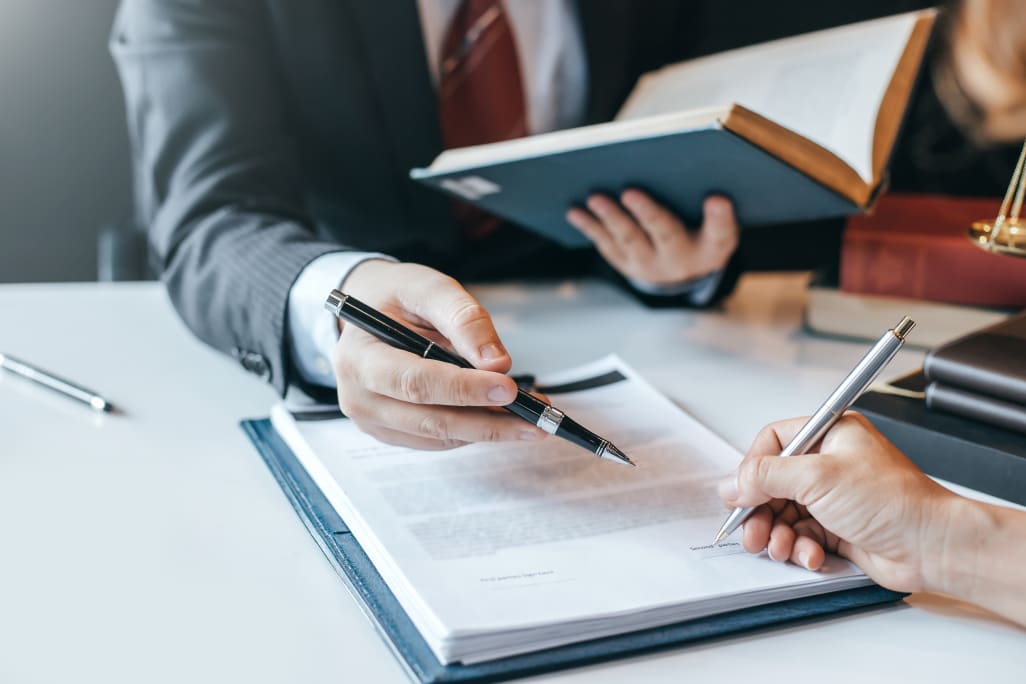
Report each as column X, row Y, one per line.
column 366, row 585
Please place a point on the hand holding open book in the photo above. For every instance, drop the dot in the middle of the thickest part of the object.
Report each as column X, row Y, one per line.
column 800, row 128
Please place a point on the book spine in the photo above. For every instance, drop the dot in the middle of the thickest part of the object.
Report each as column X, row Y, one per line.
column 985, row 409
column 932, row 267
column 974, row 378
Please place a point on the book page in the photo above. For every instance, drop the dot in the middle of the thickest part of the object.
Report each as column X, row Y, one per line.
column 557, row 142
column 826, row 86
column 495, row 549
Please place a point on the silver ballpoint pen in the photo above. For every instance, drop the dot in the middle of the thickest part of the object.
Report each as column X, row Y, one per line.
column 55, row 383
column 858, row 380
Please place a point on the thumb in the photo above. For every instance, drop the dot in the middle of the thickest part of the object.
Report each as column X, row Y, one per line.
column 454, row 312
column 719, row 234
column 762, row 478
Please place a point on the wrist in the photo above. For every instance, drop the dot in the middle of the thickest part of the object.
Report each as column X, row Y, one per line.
column 367, row 271
column 700, row 288
column 955, row 558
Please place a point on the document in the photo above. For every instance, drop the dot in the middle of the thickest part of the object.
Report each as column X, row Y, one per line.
column 500, row 549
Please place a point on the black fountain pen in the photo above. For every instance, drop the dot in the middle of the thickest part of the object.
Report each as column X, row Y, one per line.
column 530, row 408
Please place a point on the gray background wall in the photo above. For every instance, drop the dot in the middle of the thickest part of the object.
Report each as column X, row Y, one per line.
column 64, row 160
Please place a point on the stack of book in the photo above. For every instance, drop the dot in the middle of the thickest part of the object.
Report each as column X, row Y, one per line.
column 982, row 376
column 911, row 257
column 963, row 417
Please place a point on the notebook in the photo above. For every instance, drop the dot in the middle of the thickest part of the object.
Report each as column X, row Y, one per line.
column 518, row 558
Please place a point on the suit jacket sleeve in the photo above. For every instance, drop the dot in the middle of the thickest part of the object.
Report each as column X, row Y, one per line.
column 216, row 177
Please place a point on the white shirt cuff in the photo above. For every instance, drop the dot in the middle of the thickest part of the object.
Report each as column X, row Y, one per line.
column 700, row 291
column 312, row 330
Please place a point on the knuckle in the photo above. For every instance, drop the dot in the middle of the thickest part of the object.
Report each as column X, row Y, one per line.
column 822, row 475
column 668, row 234
column 460, row 392
column 723, row 227
column 356, row 410
column 434, row 426
column 718, row 244
column 759, row 470
column 627, row 238
column 726, row 242
column 851, row 426
column 493, row 433
column 354, row 371
column 856, row 418
column 469, row 312
column 412, row 385
column 767, row 435
column 660, row 217
column 441, row 284
column 828, row 469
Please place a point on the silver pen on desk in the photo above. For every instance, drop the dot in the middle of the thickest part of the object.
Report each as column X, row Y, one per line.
column 850, row 389
column 55, row 383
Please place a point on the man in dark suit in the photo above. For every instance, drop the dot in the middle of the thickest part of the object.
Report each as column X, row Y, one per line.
column 272, row 142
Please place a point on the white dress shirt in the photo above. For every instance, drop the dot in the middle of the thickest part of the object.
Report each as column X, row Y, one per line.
column 553, row 69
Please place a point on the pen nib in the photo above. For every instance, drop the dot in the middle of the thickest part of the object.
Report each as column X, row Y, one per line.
column 611, row 453
column 721, row 535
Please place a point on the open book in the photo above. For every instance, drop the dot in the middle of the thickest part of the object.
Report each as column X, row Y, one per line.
column 799, row 128
column 495, row 550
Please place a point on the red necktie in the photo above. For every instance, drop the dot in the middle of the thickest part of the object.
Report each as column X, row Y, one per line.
column 480, row 93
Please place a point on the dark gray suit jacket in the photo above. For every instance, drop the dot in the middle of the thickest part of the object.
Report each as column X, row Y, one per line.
column 268, row 132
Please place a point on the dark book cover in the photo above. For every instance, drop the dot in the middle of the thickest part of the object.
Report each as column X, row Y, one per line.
column 678, row 169
column 967, row 452
column 1004, row 414
column 990, row 362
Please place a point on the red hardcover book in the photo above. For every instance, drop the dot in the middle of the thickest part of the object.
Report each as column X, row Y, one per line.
column 916, row 246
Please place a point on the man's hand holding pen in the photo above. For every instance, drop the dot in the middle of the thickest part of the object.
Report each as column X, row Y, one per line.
column 405, row 400
column 428, row 394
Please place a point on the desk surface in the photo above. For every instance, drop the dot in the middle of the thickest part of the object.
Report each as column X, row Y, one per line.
column 155, row 547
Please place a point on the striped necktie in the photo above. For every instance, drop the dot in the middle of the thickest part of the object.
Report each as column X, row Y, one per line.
column 480, row 92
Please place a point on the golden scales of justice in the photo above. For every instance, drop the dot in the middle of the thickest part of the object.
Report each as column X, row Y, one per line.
column 1005, row 234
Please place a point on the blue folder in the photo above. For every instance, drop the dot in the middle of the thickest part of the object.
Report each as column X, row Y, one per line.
column 380, row 605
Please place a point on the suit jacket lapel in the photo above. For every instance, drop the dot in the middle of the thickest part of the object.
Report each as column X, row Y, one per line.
column 607, row 28
column 622, row 40
column 392, row 43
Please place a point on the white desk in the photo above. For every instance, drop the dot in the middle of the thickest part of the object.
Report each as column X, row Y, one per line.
column 155, row 547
